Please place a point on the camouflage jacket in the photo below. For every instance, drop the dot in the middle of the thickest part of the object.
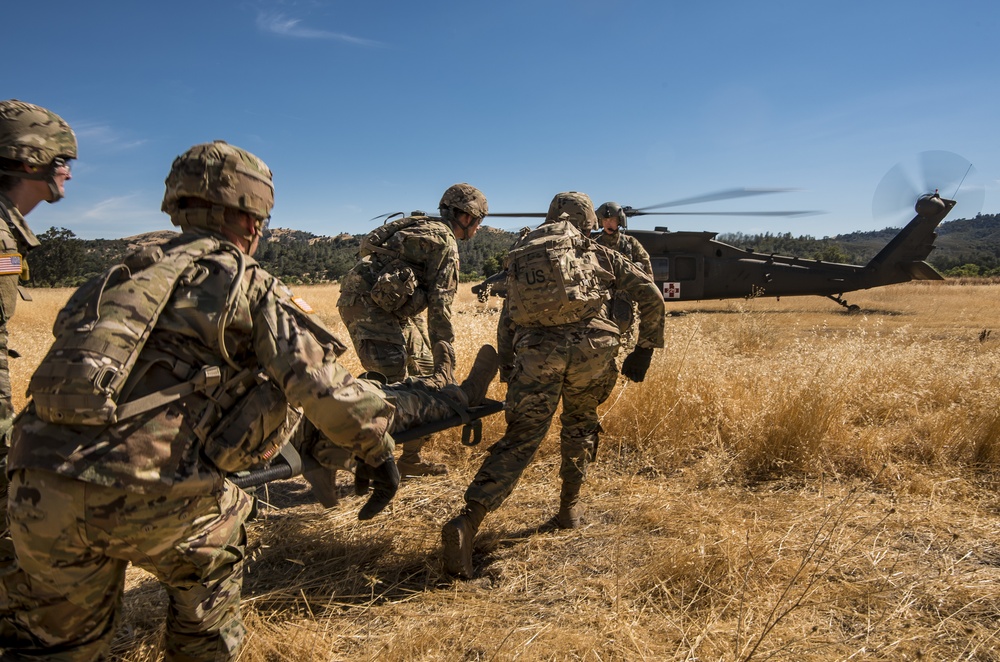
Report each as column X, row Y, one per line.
column 15, row 237
column 429, row 247
column 628, row 278
column 268, row 331
column 628, row 246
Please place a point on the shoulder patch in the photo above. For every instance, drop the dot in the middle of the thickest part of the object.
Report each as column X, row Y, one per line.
column 301, row 304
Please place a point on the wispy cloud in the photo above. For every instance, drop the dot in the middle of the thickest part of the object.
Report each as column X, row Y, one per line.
column 104, row 135
column 280, row 24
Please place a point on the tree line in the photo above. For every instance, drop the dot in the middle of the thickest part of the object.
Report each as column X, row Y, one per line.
column 965, row 247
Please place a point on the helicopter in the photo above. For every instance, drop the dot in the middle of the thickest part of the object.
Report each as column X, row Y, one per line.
column 691, row 265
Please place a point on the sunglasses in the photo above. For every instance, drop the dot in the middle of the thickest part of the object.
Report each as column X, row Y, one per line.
column 61, row 162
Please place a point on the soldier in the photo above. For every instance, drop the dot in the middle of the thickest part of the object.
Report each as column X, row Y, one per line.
column 556, row 342
column 186, row 357
column 36, row 146
column 613, row 220
column 408, row 266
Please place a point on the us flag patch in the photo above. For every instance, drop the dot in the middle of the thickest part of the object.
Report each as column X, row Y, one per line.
column 10, row 264
column 302, row 305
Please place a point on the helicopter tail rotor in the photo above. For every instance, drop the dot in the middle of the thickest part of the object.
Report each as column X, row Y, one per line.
column 935, row 171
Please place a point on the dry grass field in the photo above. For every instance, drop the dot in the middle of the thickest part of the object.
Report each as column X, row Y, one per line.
column 789, row 483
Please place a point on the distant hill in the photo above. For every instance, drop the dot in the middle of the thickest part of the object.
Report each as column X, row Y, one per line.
column 964, row 247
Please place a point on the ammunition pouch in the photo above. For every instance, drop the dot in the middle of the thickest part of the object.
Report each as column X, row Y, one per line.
column 253, row 430
column 394, row 286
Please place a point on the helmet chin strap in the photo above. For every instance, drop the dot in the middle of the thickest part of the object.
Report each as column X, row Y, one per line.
column 452, row 215
column 48, row 176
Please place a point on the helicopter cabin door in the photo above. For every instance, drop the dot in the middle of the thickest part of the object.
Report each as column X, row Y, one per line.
column 680, row 276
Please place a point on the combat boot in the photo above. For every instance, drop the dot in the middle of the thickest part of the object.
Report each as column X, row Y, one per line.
column 457, row 537
column 444, row 365
column 410, row 463
column 323, row 482
column 570, row 509
column 484, row 369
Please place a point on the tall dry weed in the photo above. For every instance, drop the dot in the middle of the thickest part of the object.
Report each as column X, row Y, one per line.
column 789, row 483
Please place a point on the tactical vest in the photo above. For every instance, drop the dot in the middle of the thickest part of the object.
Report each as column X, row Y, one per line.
column 554, row 277
column 101, row 331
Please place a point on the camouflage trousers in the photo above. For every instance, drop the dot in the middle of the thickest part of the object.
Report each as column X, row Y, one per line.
column 6, row 424
column 387, row 344
column 415, row 404
column 549, row 365
column 74, row 541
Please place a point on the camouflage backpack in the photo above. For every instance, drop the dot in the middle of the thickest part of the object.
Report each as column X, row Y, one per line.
column 103, row 328
column 396, row 283
column 554, row 277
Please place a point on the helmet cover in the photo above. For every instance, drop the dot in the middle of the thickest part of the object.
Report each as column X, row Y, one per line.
column 467, row 198
column 574, row 207
column 222, row 174
column 34, row 135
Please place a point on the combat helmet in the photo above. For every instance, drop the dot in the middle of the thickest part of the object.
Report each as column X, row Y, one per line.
column 574, row 207
column 464, row 197
column 223, row 175
column 36, row 136
column 610, row 210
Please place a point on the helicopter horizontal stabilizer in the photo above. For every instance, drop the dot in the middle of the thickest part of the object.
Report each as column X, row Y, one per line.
column 923, row 271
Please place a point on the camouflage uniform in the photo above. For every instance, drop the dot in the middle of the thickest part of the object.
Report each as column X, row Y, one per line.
column 628, row 246
column 418, row 345
column 15, row 238
column 621, row 307
column 35, row 137
column 89, row 499
column 572, row 362
column 430, row 249
column 388, row 340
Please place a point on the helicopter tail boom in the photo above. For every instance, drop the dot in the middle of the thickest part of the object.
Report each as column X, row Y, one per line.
column 903, row 258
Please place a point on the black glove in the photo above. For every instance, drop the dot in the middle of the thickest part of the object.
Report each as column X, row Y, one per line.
column 385, row 482
column 636, row 364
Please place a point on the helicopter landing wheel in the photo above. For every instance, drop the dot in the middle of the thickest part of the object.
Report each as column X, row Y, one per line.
column 851, row 308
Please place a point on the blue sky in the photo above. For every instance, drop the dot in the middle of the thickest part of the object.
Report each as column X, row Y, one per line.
column 365, row 108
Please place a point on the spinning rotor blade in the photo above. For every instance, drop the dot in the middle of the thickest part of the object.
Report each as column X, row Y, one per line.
column 636, row 212
column 936, row 170
column 727, row 194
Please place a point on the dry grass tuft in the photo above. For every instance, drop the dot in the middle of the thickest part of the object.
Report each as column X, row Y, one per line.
column 790, row 483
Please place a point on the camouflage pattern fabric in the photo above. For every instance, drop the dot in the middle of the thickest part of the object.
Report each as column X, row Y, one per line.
column 628, row 279
column 576, row 365
column 268, row 331
column 415, row 401
column 15, row 237
column 429, row 247
column 621, row 308
column 33, row 135
column 419, row 361
column 153, row 463
column 572, row 362
column 74, row 541
column 628, row 246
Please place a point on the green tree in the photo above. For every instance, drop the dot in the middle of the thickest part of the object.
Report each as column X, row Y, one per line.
column 58, row 262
